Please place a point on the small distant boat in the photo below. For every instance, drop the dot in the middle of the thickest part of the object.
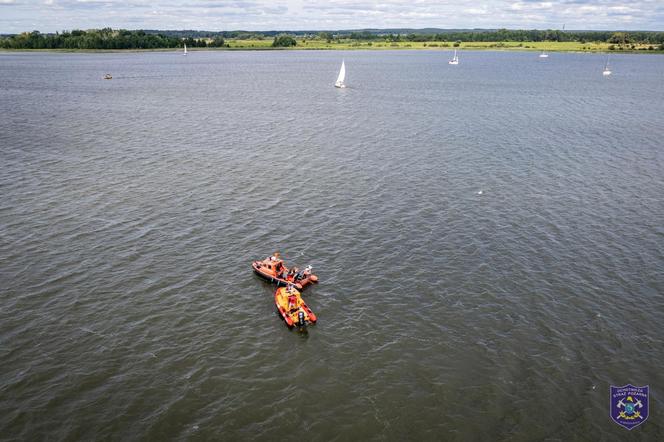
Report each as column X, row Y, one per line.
column 108, row 77
column 185, row 49
column 606, row 71
column 340, row 83
column 543, row 55
column 455, row 59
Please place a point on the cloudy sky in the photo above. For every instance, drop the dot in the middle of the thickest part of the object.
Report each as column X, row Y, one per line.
column 216, row 15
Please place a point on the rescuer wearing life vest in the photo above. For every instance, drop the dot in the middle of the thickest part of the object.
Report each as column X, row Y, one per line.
column 292, row 297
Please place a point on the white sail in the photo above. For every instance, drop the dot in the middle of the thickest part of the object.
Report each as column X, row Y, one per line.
column 342, row 76
column 606, row 71
column 455, row 59
column 185, row 49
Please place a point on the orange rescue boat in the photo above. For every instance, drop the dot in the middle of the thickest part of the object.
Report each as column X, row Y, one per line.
column 274, row 270
column 292, row 308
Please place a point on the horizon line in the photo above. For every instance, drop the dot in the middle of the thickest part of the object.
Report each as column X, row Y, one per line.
column 429, row 28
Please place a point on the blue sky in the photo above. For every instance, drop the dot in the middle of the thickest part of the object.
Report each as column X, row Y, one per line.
column 216, row 15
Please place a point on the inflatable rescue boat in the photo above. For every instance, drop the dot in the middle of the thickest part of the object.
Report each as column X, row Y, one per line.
column 274, row 270
column 292, row 308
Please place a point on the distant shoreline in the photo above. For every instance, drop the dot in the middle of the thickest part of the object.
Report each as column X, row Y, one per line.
column 108, row 39
column 549, row 46
column 403, row 47
column 304, row 45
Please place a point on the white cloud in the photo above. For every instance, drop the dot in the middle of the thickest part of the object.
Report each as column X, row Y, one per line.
column 52, row 15
column 530, row 6
column 476, row 11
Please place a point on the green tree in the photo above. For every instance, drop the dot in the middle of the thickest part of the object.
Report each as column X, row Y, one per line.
column 218, row 42
column 283, row 41
column 325, row 36
column 619, row 37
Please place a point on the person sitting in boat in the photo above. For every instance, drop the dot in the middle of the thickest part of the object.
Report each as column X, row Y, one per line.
column 275, row 257
column 300, row 273
column 291, row 275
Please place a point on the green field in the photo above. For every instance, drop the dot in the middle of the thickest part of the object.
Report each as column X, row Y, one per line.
column 551, row 46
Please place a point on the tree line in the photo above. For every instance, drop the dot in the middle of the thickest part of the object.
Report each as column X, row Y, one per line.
column 103, row 39
column 508, row 35
column 108, row 38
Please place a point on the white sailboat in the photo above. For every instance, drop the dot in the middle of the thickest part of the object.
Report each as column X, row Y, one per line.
column 606, row 71
column 342, row 76
column 544, row 55
column 455, row 59
column 185, row 49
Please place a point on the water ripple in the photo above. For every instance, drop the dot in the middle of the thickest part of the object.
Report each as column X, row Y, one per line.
column 489, row 243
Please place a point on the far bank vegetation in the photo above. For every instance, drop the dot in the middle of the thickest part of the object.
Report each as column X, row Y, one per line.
column 552, row 40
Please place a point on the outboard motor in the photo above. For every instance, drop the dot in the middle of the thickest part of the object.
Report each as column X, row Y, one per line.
column 300, row 319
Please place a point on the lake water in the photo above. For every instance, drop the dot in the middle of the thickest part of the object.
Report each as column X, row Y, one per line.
column 489, row 239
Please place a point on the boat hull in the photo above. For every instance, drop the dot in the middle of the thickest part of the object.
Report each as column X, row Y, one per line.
column 262, row 270
column 293, row 310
